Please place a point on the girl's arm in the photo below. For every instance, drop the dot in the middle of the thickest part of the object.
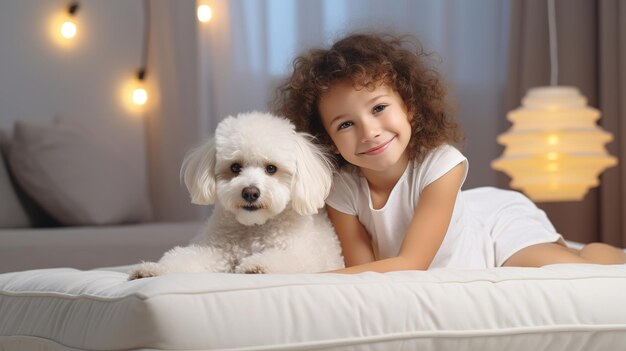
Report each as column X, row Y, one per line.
column 425, row 233
column 355, row 242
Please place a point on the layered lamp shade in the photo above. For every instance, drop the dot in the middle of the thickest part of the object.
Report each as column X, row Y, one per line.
column 554, row 151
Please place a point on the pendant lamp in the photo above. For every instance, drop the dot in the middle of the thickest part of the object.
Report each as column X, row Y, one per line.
column 555, row 150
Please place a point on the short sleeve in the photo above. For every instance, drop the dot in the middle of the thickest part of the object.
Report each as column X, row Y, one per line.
column 439, row 162
column 343, row 195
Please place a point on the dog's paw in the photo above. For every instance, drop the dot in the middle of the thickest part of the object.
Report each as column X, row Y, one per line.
column 250, row 269
column 146, row 270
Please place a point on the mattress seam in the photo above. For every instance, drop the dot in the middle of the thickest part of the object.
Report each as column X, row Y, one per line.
column 432, row 334
column 586, row 328
column 287, row 285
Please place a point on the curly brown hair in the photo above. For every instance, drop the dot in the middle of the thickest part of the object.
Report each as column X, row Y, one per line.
column 368, row 60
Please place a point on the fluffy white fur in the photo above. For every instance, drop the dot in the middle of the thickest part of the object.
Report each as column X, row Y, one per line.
column 267, row 183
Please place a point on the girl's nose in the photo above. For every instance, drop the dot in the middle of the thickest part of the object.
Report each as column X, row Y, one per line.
column 371, row 130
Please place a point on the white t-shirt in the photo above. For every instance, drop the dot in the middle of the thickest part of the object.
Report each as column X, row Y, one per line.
column 488, row 225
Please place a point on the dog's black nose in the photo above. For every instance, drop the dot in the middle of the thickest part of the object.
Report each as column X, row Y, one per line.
column 250, row 193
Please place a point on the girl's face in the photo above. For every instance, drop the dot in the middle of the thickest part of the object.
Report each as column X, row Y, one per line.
column 370, row 129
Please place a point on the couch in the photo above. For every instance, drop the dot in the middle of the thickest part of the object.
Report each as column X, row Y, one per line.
column 70, row 200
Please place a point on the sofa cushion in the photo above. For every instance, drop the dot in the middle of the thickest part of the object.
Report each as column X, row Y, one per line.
column 37, row 216
column 75, row 178
column 12, row 214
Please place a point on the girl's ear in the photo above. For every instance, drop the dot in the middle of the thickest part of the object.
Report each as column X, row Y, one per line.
column 198, row 172
column 313, row 177
column 410, row 113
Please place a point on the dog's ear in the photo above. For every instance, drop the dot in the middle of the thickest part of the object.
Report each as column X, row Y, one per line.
column 198, row 171
column 313, row 178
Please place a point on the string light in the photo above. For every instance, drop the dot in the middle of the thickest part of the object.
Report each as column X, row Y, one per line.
column 140, row 94
column 204, row 13
column 68, row 28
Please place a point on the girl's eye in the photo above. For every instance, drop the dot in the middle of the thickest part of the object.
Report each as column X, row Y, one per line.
column 345, row 125
column 235, row 168
column 379, row 108
column 271, row 169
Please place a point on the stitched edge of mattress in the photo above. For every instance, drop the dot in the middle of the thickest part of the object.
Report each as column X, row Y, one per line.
column 434, row 334
column 451, row 334
column 38, row 341
column 142, row 296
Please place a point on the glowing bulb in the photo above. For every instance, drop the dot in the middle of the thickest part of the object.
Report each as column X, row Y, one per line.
column 140, row 96
column 204, row 13
column 68, row 30
column 553, row 139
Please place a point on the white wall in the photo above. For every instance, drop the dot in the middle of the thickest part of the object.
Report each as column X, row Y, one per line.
column 41, row 77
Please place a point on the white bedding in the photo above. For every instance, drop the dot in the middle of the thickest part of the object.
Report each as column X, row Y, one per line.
column 558, row 307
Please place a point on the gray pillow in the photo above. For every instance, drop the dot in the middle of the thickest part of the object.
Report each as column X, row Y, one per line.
column 12, row 214
column 74, row 178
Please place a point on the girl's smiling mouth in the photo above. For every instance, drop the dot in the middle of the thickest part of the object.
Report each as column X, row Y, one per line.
column 378, row 149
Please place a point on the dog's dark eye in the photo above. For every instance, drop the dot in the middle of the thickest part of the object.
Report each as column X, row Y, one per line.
column 271, row 169
column 235, row 168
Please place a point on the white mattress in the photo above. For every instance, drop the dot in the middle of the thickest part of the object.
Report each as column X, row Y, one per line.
column 558, row 307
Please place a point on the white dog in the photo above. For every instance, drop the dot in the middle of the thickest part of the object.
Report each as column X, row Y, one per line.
column 267, row 182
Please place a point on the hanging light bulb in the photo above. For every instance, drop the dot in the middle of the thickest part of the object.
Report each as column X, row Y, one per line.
column 554, row 150
column 140, row 95
column 204, row 13
column 68, row 28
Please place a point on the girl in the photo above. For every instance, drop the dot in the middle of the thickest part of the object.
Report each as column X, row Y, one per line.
column 396, row 202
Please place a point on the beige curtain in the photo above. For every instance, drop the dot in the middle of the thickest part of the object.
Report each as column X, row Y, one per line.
column 172, row 119
column 612, row 99
column 592, row 57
